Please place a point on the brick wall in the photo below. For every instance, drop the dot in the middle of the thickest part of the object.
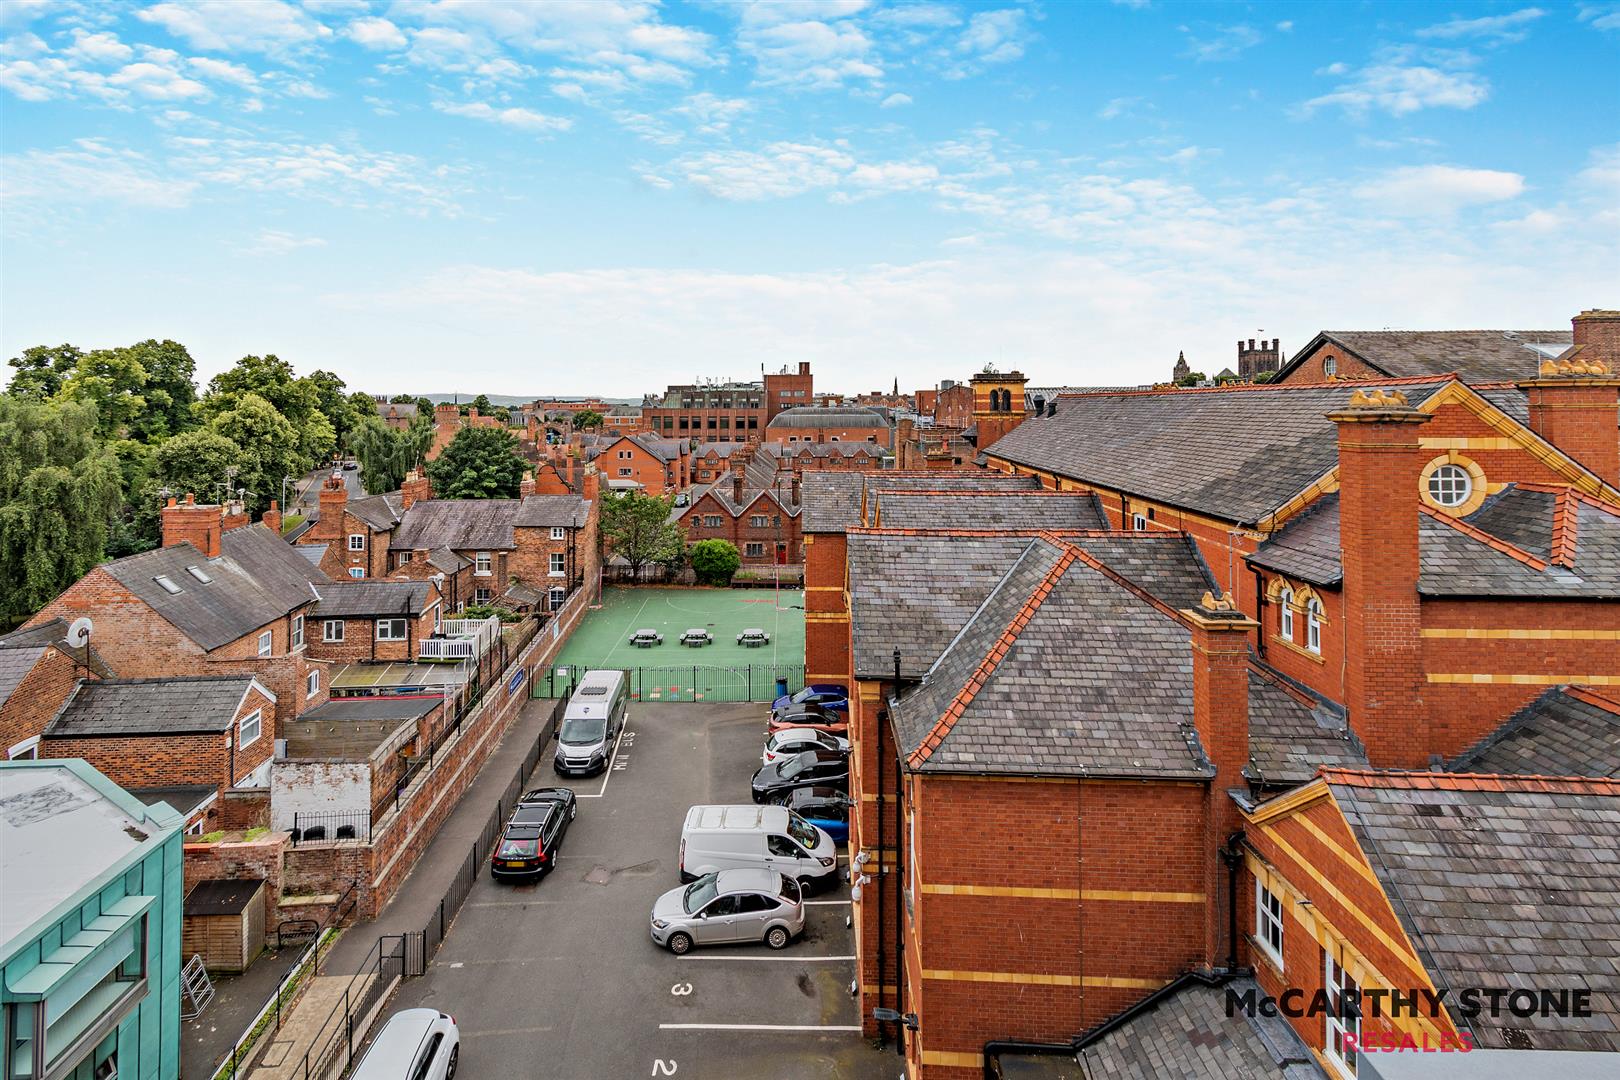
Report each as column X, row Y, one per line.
column 359, row 639
column 261, row 858
column 780, row 531
column 826, row 609
column 1346, row 366
column 38, row 698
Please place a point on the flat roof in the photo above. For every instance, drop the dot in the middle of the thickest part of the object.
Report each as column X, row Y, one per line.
column 369, row 676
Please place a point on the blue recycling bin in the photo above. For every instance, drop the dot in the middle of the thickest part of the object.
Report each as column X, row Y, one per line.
column 781, row 687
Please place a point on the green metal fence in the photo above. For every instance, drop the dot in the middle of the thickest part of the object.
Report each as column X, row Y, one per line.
column 684, row 682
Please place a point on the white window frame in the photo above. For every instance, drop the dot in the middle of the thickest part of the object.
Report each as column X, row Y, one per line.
column 483, row 595
column 1335, row 980
column 626, row 472
column 1450, row 479
column 1138, row 521
column 483, row 562
column 266, row 643
column 558, row 532
column 327, row 626
column 27, row 750
column 312, row 684
column 357, row 571
column 557, row 565
column 298, row 632
column 1268, row 922
column 556, row 598
column 388, row 626
column 255, row 719
column 1330, row 365
column 357, row 541
column 1285, row 614
column 1313, row 626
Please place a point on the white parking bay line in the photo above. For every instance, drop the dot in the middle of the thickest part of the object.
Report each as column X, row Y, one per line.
column 759, row 1027
column 833, row 903
column 607, row 773
column 777, row 959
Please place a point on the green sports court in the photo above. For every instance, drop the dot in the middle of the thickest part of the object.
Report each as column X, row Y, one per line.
column 722, row 671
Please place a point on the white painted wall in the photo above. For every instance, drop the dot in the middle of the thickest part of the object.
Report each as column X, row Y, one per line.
column 317, row 786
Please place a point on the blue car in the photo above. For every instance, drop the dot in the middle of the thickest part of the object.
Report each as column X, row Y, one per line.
column 827, row 808
column 829, row 696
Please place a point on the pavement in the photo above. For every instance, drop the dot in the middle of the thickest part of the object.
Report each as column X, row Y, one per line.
column 560, row 977
column 205, row 1041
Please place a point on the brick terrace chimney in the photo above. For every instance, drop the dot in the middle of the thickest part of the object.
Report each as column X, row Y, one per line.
column 272, row 517
column 590, row 486
column 193, row 522
column 526, row 487
column 1380, row 463
column 234, row 515
column 333, row 498
column 793, row 488
column 1575, row 400
column 415, row 489
column 1220, row 667
column 737, row 479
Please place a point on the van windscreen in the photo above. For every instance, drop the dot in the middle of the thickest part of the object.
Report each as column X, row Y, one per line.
column 802, row 831
column 578, row 732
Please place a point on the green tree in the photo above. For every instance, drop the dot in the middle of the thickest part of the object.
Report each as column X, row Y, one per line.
column 479, row 463
column 714, row 561
column 636, row 528
column 386, row 455
column 403, row 399
column 114, row 381
column 297, row 400
column 268, row 445
column 482, row 404
column 40, row 371
column 198, row 462
column 336, row 404
column 60, row 490
column 171, row 387
column 588, row 419
column 1192, row 378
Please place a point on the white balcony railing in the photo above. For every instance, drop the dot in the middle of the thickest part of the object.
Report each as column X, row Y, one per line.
column 461, row 639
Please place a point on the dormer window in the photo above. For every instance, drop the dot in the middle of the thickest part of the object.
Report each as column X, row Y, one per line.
column 167, row 584
column 1330, row 364
column 200, row 574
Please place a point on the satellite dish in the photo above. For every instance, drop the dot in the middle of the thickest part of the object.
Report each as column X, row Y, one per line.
column 78, row 634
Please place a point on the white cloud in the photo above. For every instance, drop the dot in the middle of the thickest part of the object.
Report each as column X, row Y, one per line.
column 1510, row 27
column 1226, row 43
column 1601, row 16
column 101, row 48
column 1399, row 83
column 157, row 82
column 895, row 101
column 711, row 114
column 991, row 37
column 1286, row 26
column 224, row 71
column 778, row 171
column 811, row 54
column 375, row 33
column 1114, row 108
column 276, row 242
column 90, row 172
column 21, row 12
column 522, row 119
column 232, row 25
column 1438, row 189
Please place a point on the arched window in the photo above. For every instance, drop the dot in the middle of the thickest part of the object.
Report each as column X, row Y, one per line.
column 1330, row 364
column 1313, row 626
column 1285, row 614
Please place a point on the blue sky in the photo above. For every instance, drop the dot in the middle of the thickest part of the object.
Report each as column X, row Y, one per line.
column 604, row 197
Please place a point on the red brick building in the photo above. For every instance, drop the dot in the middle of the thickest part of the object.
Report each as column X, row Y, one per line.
column 658, row 466
column 39, row 670
column 755, row 505
column 726, row 411
column 831, row 424
column 352, row 535
column 1479, row 357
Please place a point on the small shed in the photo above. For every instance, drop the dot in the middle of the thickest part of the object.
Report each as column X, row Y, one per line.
column 225, row 923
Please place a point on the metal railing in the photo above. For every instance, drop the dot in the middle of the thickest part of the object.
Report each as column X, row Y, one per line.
column 682, row 682
column 366, row 991
column 461, row 639
column 326, row 826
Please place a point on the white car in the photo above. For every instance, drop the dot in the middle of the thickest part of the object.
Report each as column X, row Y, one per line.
column 790, row 741
column 413, row 1043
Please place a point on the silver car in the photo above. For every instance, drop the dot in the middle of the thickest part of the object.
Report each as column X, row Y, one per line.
column 727, row 908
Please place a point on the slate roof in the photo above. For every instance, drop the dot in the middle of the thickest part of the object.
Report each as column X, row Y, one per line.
column 1075, row 676
column 185, row 798
column 257, row 579
column 458, row 524
column 817, row 416
column 544, row 511
column 900, row 600
column 365, row 599
column 1069, row 512
column 312, row 553
column 222, row 896
column 1234, row 453
column 401, row 408
column 447, row 561
column 21, row 649
column 1292, row 733
column 337, row 710
column 1564, row 732
column 1455, row 562
column 15, row 664
column 379, row 512
column 1475, row 355
column 182, row 705
column 1189, row 1036
column 1501, row 882
column 832, row 500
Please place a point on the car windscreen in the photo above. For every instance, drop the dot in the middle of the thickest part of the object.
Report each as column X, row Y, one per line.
column 516, row 843
column 699, row 893
column 802, row 832
column 579, row 732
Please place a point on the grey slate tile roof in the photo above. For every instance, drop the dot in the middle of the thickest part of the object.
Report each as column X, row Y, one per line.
column 373, row 708
column 21, row 649
column 1188, row 1036
column 1236, row 454
column 187, row 705
column 380, row 512
column 312, row 553
column 1502, row 882
column 362, row 599
column 899, row 599
column 992, row 510
column 544, row 511
column 1291, row 734
column 1557, row 734
column 1475, row 355
column 15, row 664
column 1097, row 682
column 1453, row 563
column 458, row 524
column 832, row 500
column 184, row 798
column 257, row 579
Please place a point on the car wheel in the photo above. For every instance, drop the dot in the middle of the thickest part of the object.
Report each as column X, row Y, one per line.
column 455, row 1059
column 680, row 944
column 777, row 937
column 807, row 885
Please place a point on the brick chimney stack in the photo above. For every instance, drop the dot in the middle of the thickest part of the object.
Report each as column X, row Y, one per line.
column 1220, row 668
column 415, row 489
column 234, row 515
column 526, row 486
column 737, row 481
column 590, row 486
column 1575, row 399
column 334, row 496
column 272, row 517
column 1380, row 465
column 200, row 524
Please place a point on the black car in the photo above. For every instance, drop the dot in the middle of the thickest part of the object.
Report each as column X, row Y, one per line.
column 560, row 795
column 528, row 845
column 827, row 808
column 813, row 768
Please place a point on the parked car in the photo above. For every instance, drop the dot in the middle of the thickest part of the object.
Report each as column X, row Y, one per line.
column 561, row 796
column 646, row 639
column 795, row 740
column 415, row 1044
column 810, row 716
column 829, row 696
column 753, row 637
column 350, row 466
column 528, row 845
column 697, row 637
column 715, row 838
column 827, row 808
column 812, row 768
column 731, row 907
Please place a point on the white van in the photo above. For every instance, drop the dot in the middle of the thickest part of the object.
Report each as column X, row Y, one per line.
column 594, row 716
column 718, row 838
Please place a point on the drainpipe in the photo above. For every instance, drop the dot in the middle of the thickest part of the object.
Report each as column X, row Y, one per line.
column 1232, row 856
column 1259, row 611
column 877, row 877
column 899, row 883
